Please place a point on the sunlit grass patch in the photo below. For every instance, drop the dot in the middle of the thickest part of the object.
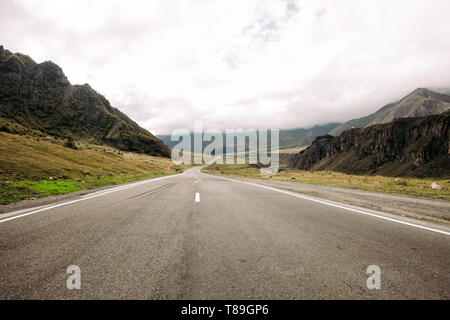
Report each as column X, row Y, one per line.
column 48, row 188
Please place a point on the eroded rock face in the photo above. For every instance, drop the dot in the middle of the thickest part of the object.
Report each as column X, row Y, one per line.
column 415, row 141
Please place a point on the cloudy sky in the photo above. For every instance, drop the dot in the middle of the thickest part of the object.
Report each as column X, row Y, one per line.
column 234, row 63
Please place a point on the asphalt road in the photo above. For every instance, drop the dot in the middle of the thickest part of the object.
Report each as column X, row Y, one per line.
column 196, row 236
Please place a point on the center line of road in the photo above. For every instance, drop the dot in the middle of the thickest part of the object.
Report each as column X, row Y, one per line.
column 197, row 197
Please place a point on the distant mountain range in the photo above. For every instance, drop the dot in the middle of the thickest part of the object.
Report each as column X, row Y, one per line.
column 39, row 96
column 406, row 146
column 303, row 137
column 292, row 138
column 420, row 102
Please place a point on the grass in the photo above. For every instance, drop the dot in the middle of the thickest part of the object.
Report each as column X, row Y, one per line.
column 291, row 150
column 33, row 166
column 51, row 187
column 12, row 192
column 406, row 186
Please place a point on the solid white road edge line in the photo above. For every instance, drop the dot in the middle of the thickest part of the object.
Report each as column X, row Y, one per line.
column 338, row 206
column 95, row 195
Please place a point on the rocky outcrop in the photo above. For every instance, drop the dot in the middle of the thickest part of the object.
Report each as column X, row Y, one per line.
column 405, row 146
column 39, row 97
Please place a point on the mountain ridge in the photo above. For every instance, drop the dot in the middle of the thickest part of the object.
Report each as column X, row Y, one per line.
column 39, row 96
column 420, row 102
column 417, row 146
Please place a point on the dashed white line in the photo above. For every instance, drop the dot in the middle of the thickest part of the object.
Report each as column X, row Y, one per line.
column 197, row 197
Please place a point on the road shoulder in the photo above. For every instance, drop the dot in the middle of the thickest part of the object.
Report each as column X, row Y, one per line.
column 24, row 206
column 422, row 209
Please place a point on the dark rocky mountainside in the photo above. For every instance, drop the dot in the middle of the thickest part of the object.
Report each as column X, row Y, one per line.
column 407, row 146
column 420, row 102
column 39, row 96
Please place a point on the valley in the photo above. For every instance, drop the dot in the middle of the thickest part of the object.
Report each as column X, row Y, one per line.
column 310, row 161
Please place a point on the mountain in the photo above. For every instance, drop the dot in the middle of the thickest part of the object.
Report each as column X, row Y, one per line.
column 288, row 138
column 441, row 90
column 39, row 97
column 166, row 139
column 304, row 137
column 420, row 102
column 407, row 146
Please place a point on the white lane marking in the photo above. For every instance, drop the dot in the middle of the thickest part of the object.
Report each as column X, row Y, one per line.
column 95, row 195
column 197, row 197
column 339, row 206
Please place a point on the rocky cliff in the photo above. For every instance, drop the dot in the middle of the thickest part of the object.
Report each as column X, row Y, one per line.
column 408, row 146
column 40, row 97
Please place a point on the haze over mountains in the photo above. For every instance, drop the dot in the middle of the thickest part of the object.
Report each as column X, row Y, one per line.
column 39, row 97
column 304, row 136
column 288, row 138
column 420, row 102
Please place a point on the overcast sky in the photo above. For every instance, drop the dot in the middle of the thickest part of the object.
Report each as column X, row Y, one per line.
column 235, row 63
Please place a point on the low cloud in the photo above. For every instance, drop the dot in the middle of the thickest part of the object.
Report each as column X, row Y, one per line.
column 246, row 64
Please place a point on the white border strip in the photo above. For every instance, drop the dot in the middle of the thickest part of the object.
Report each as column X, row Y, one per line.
column 95, row 195
column 338, row 206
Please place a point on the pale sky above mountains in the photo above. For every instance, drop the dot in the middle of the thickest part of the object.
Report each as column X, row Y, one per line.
column 238, row 64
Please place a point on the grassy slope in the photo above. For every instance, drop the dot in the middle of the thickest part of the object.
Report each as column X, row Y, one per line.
column 291, row 150
column 27, row 162
column 405, row 186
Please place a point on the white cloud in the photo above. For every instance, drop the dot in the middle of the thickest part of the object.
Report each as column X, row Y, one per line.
column 238, row 63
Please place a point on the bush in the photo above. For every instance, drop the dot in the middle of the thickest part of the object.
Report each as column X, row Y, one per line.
column 5, row 128
column 70, row 143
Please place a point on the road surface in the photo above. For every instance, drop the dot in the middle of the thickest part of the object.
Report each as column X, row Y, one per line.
column 197, row 236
